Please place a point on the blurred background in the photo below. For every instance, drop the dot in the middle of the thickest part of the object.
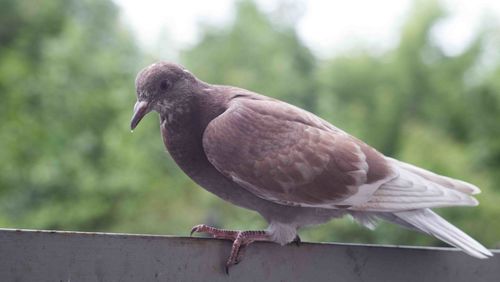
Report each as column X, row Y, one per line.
column 418, row 80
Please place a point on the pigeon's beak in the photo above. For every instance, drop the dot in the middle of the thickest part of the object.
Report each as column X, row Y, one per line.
column 140, row 110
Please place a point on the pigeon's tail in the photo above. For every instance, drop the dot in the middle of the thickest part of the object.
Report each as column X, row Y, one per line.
column 425, row 220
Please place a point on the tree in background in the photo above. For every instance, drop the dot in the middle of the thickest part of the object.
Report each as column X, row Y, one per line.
column 66, row 68
column 69, row 161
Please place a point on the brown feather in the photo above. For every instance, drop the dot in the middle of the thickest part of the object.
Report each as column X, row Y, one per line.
column 289, row 156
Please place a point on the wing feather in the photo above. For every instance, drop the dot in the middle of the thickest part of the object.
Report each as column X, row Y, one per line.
column 289, row 156
column 414, row 189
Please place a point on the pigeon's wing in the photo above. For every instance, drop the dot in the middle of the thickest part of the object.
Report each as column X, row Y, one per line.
column 416, row 188
column 289, row 156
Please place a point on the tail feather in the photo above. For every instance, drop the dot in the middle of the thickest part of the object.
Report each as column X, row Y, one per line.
column 429, row 222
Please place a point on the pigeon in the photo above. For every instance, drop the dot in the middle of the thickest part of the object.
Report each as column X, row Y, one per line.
column 292, row 167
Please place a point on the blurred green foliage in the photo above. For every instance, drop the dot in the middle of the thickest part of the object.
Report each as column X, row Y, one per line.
column 68, row 160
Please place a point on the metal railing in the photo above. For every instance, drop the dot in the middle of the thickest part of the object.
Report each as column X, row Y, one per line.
column 30, row 255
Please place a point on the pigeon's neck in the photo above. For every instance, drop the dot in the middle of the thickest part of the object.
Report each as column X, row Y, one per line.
column 183, row 130
column 212, row 103
column 179, row 114
column 195, row 112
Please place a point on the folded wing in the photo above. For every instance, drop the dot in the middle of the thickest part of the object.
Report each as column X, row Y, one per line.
column 289, row 156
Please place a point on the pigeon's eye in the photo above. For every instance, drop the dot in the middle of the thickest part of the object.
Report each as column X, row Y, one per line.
column 165, row 85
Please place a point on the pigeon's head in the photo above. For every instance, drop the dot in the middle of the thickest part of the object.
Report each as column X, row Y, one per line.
column 161, row 87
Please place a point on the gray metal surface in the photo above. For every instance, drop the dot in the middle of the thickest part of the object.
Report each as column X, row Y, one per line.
column 70, row 256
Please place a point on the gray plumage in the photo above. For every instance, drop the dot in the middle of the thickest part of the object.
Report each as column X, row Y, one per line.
column 289, row 165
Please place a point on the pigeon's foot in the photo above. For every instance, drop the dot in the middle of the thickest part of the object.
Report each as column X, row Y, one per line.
column 240, row 240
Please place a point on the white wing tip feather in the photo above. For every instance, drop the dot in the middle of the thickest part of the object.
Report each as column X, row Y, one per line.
column 412, row 191
column 474, row 189
column 474, row 202
column 455, row 184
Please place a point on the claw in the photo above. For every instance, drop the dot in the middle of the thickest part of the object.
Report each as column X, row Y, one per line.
column 297, row 241
column 194, row 229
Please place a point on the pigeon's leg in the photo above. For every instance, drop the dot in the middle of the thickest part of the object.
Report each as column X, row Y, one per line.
column 240, row 239
column 243, row 239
